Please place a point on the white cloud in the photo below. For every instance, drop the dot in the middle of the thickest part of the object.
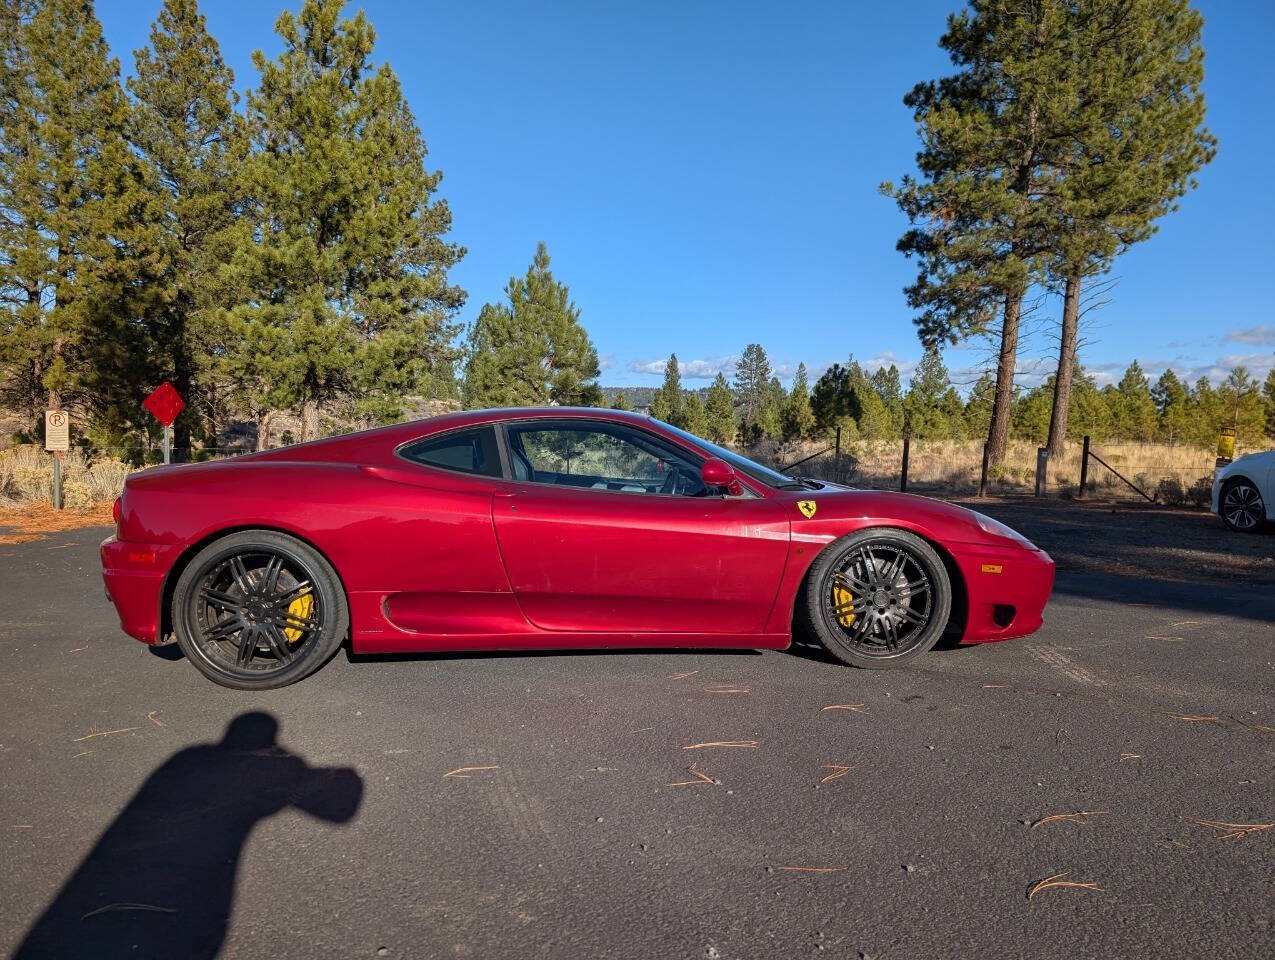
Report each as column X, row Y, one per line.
column 1262, row 335
column 606, row 362
column 689, row 369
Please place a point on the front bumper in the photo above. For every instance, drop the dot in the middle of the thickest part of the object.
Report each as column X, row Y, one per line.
column 1007, row 589
column 134, row 575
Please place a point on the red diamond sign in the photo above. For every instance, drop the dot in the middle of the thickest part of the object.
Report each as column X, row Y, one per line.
column 164, row 403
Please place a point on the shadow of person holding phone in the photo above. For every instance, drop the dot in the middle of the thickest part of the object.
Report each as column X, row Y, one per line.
column 161, row 880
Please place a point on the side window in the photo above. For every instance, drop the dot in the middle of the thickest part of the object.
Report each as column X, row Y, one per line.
column 465, row 451
column 602, row 457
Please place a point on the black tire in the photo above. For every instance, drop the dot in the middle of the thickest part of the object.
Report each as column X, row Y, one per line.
column 886, row 604
column 235, row 610
column 1240, row 506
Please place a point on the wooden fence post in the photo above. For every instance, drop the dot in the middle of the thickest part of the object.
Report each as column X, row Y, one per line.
column 982, row 480
column 903, row 476
column 1084, row 468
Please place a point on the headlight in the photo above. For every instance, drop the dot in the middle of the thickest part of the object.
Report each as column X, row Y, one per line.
column 998, row 529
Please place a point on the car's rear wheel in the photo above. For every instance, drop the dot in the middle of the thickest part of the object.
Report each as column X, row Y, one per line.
column 1241, row 507
column 878, row 597
column 259, row 609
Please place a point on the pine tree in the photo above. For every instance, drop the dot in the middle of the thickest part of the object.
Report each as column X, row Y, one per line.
column 1171, row 398
column 75, row 250
column 925, row 397
column 799, row 419
column 978, row 229
column 694, row 416
column 349, row 268
column 978, row 408
column 1132, row 406
column 1135, row 145
column 889, row 387
column 666, row 405
column 752, row 377
column 770, row 422
column 621, row 402
column 832, row 400
column 719, row 411
column 1268, row 398
column 184, row 124
column 531, row 350
column 1240, row 400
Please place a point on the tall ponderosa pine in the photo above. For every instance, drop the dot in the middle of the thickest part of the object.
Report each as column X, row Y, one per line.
column 184, row 124
column 531, row 350
column 694, row 417
column 990, row 137
column 348, row 274
column 927, row 392
column 1134, row 147
column 752, row 378
column 75, row 248
column 666, row 405
column 1268, row 400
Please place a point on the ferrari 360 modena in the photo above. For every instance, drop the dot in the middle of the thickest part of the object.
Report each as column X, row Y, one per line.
column 539, row 529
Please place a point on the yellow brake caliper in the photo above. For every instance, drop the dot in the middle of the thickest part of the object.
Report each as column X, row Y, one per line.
column 299, row 609
column 843, row 603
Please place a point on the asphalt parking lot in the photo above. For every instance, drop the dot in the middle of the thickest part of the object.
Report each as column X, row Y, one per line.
column 663, row 804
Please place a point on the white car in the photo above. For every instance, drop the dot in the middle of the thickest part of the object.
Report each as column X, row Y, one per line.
column 1244, row 492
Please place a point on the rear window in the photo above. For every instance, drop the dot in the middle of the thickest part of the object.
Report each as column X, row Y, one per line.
column 465, row 451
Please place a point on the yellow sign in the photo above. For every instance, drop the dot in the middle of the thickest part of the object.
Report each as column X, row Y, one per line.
column 807, row 508
column 1226, row 444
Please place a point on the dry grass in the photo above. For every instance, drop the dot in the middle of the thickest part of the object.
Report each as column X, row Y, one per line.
column 26, row 475
column 1172, row 473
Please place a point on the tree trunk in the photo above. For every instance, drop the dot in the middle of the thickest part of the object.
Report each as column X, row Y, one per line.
column 998, row 431
column 263, row 430
column 1066, row 368
column 309, row 420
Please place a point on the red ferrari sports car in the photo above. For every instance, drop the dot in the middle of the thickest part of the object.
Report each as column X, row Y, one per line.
column 539, row 529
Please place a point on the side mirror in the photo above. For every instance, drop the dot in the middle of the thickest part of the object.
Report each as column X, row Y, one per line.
column 716, row 472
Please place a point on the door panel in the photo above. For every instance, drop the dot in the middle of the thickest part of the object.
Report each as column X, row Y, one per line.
column 623, row 562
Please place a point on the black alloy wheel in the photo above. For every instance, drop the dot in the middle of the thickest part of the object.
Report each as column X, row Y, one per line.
column 1241, row 506
column 259, row 609
column 878, row 597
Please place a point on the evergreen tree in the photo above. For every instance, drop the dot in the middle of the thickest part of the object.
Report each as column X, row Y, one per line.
column 832, row 400
column 1242, row 409
column 1030, row 416
column 719, row 412
column 349, row 268
column 923, row 404
column 770, row 422
column 799, row 419
column 184, row 124
column 666, row 405
column 694, row 416
column 75, row 248
column 1090, row 414
column 978, row 408
column 1268, row 399
column 889, row 387
column 1132, row 406
column 1208, row 414
column 621, row 402
column 1134, row 147
column 531, row 350
column 978, row 229
column 1171, row 401
column 752, row 378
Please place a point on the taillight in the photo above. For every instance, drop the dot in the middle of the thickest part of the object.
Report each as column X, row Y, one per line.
column 115, row 512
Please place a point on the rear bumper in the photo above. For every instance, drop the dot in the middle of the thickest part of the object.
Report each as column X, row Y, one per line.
column 134, row 575
column 1007, row 590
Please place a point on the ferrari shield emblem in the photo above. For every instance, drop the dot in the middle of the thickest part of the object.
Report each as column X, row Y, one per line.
column 807, row 508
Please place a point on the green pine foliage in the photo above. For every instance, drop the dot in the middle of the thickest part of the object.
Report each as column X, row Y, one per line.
column 531, row 349
column 666, row 405
column 694, row 417
column 752, row 383
column 719, row 412
column 798, row 417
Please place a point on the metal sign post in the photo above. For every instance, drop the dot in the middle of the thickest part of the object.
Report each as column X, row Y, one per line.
column 168, row 441
column 57, row 440
column 164, row 403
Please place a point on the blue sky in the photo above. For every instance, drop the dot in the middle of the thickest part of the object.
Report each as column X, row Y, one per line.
column 705, row 176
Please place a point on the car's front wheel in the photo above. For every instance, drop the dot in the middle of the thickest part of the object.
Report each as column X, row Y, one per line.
column 878, row 597
column 259, row 609
column 1241, row 507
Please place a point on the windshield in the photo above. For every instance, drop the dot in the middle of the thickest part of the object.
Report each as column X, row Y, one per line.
column 771, row 478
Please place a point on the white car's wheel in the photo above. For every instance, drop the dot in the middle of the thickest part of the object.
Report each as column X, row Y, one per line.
column 1240, row 506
